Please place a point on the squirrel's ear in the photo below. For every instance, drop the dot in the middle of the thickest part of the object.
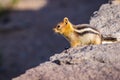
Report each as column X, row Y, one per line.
column 66, row 20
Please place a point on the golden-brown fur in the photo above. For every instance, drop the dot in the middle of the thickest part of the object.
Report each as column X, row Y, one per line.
column 114, row 2
column 78, row 35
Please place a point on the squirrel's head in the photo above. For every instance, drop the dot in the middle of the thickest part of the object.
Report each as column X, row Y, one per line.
column 63, row 26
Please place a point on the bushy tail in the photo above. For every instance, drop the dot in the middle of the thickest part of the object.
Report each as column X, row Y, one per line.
column 106, row 40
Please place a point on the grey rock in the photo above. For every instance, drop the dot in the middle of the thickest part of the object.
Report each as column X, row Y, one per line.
column 27, row 38
column 94, row 62
column 106, row 20
column 98, row 62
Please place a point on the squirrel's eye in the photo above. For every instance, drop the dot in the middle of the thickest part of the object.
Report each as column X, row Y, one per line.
column 58, row 26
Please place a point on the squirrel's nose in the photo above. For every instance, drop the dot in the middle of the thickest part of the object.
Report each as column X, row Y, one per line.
column 54, row 29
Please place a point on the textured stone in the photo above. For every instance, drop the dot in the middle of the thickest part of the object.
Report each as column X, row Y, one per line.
column 95, row 62
column 98, row 62
column 107, row 20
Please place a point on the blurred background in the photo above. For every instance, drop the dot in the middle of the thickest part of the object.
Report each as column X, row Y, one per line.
column 26, row 36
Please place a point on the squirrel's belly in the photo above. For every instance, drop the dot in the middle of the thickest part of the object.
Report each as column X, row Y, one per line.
column 90, row 39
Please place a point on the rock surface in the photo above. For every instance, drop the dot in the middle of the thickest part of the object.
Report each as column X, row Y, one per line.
column 107, row 20
column 26, row 35
column 95, row 62
column 98, row 62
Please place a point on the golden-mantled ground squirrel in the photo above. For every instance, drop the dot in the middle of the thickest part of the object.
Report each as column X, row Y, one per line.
column 115, row 2
column 79, row 35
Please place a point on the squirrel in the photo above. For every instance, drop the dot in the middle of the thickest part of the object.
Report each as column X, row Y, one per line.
column 82, row 34
column 115, row 2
